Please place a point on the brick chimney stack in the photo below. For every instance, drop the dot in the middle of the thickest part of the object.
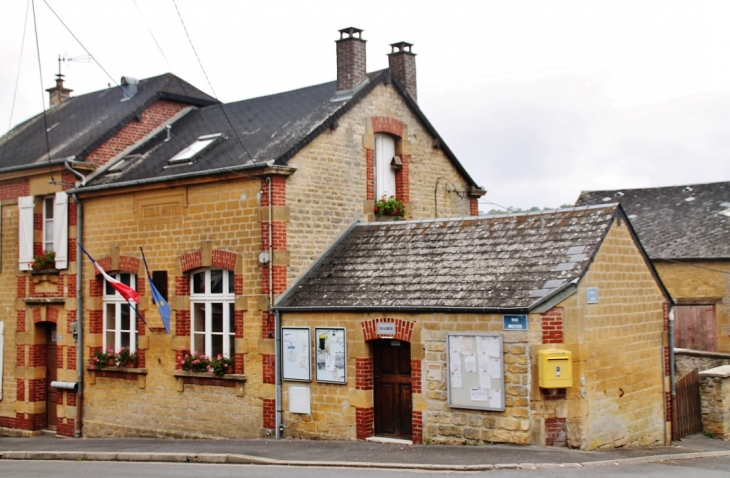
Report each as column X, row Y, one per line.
column 351, row 68
column 58, row 93
column 402, row 63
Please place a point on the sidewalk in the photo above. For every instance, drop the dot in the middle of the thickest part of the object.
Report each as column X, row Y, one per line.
column 353, row 454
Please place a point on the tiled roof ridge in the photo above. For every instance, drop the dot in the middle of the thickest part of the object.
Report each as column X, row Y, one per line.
column 613, row 205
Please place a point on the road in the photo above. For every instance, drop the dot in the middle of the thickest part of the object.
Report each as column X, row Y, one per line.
column 706, row 467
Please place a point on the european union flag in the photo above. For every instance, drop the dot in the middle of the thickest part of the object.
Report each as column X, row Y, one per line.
column 162, row 305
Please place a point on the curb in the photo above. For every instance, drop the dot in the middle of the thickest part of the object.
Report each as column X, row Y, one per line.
column 236, row 459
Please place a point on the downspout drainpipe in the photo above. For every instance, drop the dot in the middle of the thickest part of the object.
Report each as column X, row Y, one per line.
column 277, row 337
column 277, row 358
column 78, row 424
column 671, row 369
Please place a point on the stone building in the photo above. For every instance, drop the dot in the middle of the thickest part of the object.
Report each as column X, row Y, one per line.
column 685, row 230
column 231, row 203
column 403, row 316
column 41, row 297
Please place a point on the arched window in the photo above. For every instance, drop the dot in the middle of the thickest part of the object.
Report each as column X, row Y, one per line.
column 212, row 312
column 120, row 321
column 384, row 173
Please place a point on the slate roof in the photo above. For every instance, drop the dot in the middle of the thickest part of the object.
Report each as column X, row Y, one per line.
column 494, row 263
column 676, row 222
column 80, row 124
column 272, row 129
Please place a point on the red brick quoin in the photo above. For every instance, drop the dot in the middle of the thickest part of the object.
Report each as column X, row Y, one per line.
column 552, row 326
column 364, row 422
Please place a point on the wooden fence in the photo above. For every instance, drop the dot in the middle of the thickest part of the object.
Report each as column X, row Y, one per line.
column 688, row 408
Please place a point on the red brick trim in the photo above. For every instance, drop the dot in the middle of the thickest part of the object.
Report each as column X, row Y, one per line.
column 269, row 417
column 152, row 117
column 363, row 373
column 126, row 264
column 665, row 313
column 473, row 207
column 364, row 422
column 21, row 321
column 224, row 259
column 37, row 355
column 37, row 390
column 402, row 180
column 115, row 374
column 15, row 189
column 22, row 421
column 182, row 323
column 370, row 165
column 21, row 287
column 416, row 376
column 385, row 124
column 66, row 427
column 552, row 326
column 191, row 260
column 555, row 432
column 212, row 382
column 238, row 366
column 403, row 329
column 269, row 364
column 417, row 427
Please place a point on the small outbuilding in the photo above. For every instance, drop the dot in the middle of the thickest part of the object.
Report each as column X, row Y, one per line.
column 541, row 328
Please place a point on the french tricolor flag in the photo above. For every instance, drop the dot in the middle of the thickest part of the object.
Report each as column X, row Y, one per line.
column 129, row 294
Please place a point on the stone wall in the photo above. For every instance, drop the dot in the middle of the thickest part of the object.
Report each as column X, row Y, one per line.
column 328, row 192
column 617, row 347
column 336, row 408
column 199, row 221
column 715, row 396
column 686, row 360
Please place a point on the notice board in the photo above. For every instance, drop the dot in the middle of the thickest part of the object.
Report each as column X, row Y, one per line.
column 475, row 365
column 330, row 347
column 296, row 356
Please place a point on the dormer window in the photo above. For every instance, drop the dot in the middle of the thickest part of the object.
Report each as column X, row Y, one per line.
column 187, row 155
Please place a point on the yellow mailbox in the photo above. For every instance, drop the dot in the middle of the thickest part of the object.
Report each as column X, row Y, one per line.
column 555, row 368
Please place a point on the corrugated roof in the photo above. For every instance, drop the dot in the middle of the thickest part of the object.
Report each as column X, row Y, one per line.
column 510, row 261
column 676, row 222
column 80, row 124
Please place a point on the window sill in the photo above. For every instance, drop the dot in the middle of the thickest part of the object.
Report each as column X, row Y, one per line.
column 232, row 380
column 45, row 272
column 121, row 373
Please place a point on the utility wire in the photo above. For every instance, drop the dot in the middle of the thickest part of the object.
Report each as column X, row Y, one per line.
column 117, row 84
column 43, row 99
column 691, row 265
column 169, row 66
column 209, row 83
column 17, row 77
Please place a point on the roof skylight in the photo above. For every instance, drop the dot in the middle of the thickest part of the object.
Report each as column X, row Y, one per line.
column 190, row 152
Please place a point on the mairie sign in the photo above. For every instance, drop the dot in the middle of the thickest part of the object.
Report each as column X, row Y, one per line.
column 514, row 322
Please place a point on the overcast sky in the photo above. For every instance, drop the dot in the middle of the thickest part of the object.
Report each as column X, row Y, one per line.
column 538, row 99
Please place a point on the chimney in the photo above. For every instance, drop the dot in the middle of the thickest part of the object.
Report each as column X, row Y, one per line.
column 58, row 94
column 351, row 68
column 402, row 63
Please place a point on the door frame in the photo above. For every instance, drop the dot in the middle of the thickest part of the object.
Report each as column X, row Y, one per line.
column 403, row 429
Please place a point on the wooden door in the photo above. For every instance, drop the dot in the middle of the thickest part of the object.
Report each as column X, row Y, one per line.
column 392, row 377
column 51, row 375
column 695, row 327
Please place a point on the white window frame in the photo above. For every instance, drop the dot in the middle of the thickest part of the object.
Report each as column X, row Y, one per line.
column 384, row 173
column 118, row 303
column 48, row 229
column 206, row 299
column 26, row 230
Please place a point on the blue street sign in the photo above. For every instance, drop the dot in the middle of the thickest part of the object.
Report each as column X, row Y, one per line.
column 514, row 322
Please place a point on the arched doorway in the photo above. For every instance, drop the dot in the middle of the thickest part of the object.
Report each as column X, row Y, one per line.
column 392, row 388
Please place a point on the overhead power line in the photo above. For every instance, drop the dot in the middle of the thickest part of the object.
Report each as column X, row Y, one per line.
column 43, row 96
column 17, row 76
column 209, row 84
column 185, row 145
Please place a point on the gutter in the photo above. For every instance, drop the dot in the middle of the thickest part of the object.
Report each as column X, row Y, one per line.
column 673, row 388
column 195, row 174
column 406, row 308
